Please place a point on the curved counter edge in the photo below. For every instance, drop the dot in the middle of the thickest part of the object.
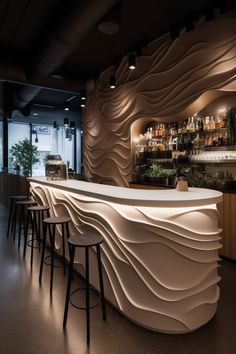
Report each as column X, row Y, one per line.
column 160, row 264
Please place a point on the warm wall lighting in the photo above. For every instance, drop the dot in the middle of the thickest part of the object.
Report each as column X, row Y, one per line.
column 132, row 63
column 112, row 81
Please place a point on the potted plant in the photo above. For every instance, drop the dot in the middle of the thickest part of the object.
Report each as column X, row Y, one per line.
column 172, row 177
column 154, row 173
column 139, row 173
column 25, row 155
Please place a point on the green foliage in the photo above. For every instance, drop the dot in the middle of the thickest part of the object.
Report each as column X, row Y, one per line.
column 25, row 154
column 197, row 179
column 155, row 171
column 140, row 169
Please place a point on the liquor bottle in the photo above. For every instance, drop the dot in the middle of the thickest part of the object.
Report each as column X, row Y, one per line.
column 188, row 125
column 218, row 122
column 180, row 146
column 212, row 123
column 200, row 125
column 192, row 125
column 206, row 123
column 179, row 127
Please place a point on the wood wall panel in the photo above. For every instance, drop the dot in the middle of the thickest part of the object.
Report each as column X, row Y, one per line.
column 227, row 223
column 11, row 184
column 173, row 79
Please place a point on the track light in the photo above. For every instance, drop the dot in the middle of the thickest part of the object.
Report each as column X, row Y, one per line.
column 112, row 81
column 132, row 61
column 83, row 95
column 82, row 104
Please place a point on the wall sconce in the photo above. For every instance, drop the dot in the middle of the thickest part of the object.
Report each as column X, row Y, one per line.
column 112, row 81
column 83, row 95
column 131, row 60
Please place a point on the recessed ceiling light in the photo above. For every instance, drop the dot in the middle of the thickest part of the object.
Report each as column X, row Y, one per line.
column 66, row 109
column 35, row 114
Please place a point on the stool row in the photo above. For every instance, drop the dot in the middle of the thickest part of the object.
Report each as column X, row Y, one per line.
column 28, row 212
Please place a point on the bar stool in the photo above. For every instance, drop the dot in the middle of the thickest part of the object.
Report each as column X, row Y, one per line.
column 23, row 204
column 49, row 223
column 85, row 241
column 11, row 217
column 35, row 215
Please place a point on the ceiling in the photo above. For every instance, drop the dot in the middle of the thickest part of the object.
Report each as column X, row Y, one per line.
column 57, row 44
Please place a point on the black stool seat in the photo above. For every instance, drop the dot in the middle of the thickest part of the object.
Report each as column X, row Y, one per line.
column 35, row 214
column 86, row 241
column 18, row 197
column 12, row 213
column 26, row 202
column 57, row 220
column 51, row 223
column 39, row 208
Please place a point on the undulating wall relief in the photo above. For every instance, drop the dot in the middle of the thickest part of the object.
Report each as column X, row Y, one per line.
column 172, row 79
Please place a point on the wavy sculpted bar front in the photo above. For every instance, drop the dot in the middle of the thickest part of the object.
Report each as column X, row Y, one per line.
column 160, row 249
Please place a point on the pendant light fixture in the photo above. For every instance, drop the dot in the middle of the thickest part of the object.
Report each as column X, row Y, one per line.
column 132, row 63
column 83, row 95
column 112, row 81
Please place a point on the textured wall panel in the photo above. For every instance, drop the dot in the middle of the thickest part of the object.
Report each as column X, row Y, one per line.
column 172, row 80
column 160, row 264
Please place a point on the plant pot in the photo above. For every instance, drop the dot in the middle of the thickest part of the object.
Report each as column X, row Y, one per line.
column 172, row 181
column 163, row 180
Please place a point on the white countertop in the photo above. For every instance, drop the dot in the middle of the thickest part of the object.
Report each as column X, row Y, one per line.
column 138, row 197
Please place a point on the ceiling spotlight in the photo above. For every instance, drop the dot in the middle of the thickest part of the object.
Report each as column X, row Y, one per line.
column 35, row 114
column 82, row 104
column 66, row 109
column 131, row 61
column 83, row 95
column 112, row 81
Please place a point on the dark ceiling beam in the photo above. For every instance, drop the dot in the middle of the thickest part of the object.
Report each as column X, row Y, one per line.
column 16, row 74
column 62, row 43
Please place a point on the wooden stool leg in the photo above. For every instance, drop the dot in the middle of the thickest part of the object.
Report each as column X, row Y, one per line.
column 43, row 251
column 63, row 248
column 72, row 256
column 10, row 218
column 33, row 221
column 26, row 233
column 20, row 225
column 101, row 282
column 52, row 239
column 87, row 293
column 15, row 221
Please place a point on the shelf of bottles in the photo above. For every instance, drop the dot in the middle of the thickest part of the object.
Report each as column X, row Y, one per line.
column 193, row 133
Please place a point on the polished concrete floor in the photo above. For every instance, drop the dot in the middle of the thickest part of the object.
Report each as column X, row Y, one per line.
column 31, row 321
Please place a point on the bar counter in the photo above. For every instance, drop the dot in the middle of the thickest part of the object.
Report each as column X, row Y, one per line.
column 160, row 249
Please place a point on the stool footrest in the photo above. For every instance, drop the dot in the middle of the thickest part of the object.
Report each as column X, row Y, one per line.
column 84, row 307
column 29, row 243
column 55, row 258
